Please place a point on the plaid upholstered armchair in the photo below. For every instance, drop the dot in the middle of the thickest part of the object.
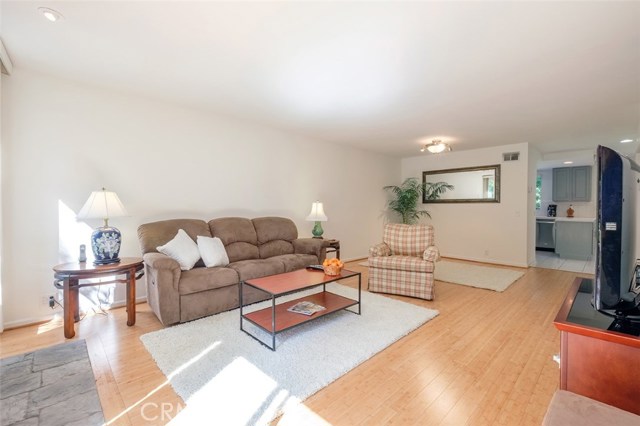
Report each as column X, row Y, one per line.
column 404, row 262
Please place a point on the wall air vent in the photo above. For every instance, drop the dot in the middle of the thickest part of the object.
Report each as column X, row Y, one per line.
column 510, row 156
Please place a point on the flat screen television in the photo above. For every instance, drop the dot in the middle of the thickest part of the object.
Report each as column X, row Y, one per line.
column 617, row 277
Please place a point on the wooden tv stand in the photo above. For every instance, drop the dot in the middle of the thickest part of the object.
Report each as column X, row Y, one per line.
column 595, row 362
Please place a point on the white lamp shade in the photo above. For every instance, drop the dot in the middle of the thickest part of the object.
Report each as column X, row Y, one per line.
column 102, row 205
column 317, row 213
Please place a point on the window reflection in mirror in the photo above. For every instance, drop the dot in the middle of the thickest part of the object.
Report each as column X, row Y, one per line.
column 471, row 184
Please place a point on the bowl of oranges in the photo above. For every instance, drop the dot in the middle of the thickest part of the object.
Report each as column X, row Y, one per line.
column 332, row 266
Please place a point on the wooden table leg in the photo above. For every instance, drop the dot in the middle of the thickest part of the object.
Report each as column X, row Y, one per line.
column 74, row 293
column 69, row 310
column 131, row 297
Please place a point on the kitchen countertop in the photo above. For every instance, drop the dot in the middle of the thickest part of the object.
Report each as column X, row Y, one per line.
column 568, row 219
column 576, row 219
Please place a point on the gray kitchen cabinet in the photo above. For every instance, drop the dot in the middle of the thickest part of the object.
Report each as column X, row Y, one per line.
column 582, row 183
column 572, row 183
column 574, row 240
column 562, row 184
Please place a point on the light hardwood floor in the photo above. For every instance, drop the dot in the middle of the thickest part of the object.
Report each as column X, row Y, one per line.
column 485, row 360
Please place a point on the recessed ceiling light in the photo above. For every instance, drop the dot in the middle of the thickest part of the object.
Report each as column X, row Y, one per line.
column 626, row 141
column 50, row 14
column 567, row 162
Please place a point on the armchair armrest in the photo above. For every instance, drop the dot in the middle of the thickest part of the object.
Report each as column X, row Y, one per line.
column 379, row 250
column 431, row 254
column 315, row 246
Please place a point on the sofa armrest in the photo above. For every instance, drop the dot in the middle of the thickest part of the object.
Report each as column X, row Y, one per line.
column 162, row 275
column 165, row 266
column 160, row 261
column 379, row 250
column 315, row 246
column 431, row 254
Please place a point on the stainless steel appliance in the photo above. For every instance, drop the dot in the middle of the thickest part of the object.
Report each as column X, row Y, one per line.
column 546, row 234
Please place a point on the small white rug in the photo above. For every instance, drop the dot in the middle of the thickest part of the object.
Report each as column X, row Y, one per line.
column 487, row 277
column 227, row 378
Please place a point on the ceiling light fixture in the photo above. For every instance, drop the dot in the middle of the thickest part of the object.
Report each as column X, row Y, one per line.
column 50, row 14
column 567, row 162
column 436, row 147
column 626, row 141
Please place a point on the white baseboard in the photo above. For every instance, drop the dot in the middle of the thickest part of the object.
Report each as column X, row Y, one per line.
column 58, row 312
column 29, row 321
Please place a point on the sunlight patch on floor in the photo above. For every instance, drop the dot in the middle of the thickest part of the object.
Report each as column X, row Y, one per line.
column 55, row 323
column 301, row 415
column 248, row 396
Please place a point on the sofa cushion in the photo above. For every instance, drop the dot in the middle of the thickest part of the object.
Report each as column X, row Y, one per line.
column 212, row 251
column 183, row 249
column 274, row 228
column 255, row 268
column 238, row 236
column 275, row 236
column 293, row 262
column 154, row 234
column 201, row 279
column 402, row 263
column 275, row 248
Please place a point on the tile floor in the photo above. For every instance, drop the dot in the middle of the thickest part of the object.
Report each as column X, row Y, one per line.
column 550, row 260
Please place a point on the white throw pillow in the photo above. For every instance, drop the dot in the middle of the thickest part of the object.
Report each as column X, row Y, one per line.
column 183, row 249
column 212, row 251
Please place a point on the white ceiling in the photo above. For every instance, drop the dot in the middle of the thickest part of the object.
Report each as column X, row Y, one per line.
column 375, row 75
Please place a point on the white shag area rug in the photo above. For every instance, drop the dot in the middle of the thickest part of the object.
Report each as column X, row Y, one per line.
column 227, row 378
column 488, row 277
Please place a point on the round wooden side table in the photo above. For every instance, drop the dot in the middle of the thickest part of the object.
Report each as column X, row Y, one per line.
column 69, row 276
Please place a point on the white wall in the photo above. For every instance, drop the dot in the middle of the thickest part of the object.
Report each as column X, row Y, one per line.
column 637, row 157
column 62, row 140
column 487, row 232
column 2, row 77
column 534, row 157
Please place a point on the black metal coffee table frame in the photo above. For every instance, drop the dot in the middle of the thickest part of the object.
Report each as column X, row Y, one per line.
column 276, row 319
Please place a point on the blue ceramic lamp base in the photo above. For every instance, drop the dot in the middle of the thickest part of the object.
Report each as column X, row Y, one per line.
column 105, row 243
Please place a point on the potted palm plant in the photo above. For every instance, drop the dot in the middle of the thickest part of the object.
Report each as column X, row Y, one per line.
column 406, row 196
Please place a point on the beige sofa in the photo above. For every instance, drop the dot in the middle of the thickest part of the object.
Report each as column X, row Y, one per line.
column 255, row 247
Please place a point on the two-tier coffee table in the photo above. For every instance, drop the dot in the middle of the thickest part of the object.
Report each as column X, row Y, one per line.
column 276, row 318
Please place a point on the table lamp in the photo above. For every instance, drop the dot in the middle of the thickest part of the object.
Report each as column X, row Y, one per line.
column 105, row 240
column 317, row 215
